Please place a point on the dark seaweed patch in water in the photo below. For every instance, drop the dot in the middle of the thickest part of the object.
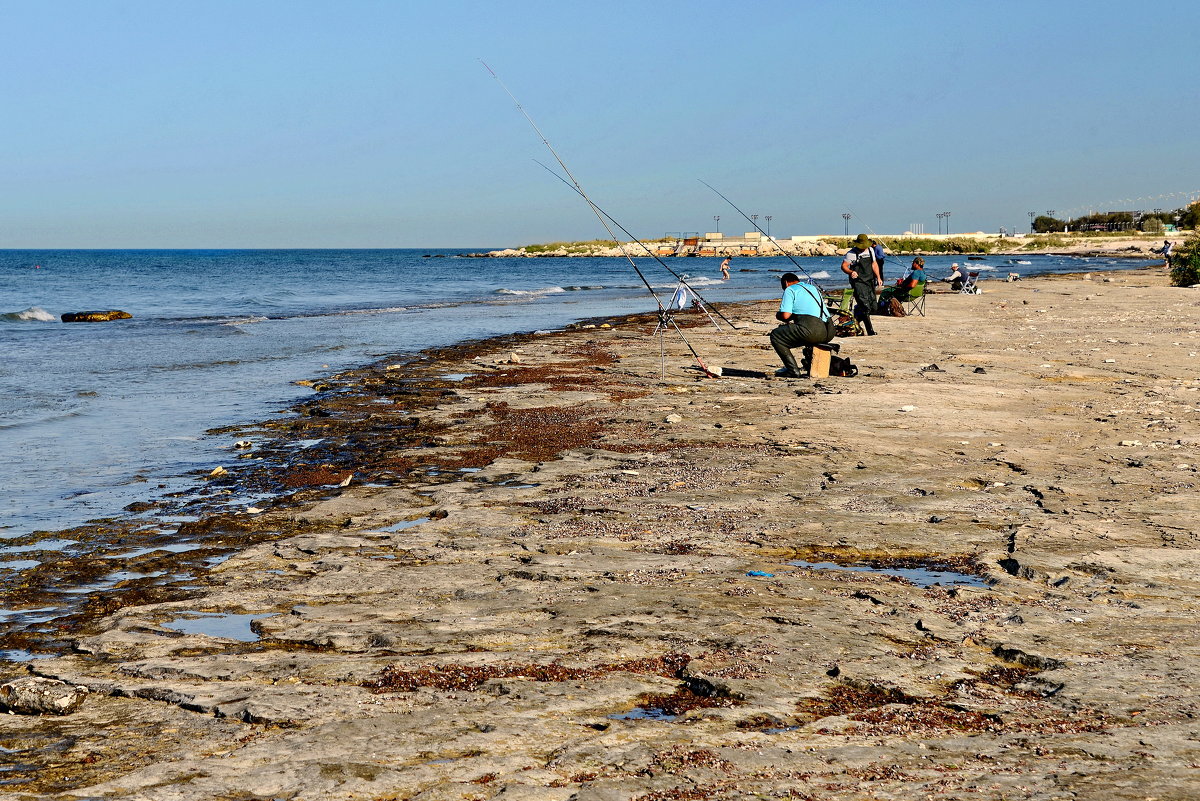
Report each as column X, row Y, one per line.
column 919, row 576
column 644, row 713
column 668, row 708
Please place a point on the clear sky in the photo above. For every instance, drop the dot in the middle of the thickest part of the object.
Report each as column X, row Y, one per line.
column 371, row 123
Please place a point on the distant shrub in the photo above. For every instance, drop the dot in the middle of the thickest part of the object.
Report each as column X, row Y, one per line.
column 1185, row 263
column 1046, row 241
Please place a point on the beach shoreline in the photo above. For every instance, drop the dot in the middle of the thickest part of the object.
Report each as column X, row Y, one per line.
column 553, row 572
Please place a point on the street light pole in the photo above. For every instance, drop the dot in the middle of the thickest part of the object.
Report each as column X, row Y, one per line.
column 846, row 217
column 1031, row 216
column 947, row 222
column 940, row 216
column 768, row 219
column 717, row 223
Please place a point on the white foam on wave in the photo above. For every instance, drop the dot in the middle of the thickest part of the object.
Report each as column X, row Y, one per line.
column 550, row 290
column 821, row 274
column 247, row 320
column 982, row 267
column 32, row 314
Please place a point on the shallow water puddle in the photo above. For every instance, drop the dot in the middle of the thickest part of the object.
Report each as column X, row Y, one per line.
column 919, row 576
column 456, row 376
column 20, row 564
column 111, row 580
column 644, row 713
column 21, row 655
column 178, row 547
column 224, row 625
column 403, row 524
column 40, row 615
column 44, row 545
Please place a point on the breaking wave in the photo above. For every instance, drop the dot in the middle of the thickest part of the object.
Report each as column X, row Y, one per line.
column 550, row 290
column 32, row 314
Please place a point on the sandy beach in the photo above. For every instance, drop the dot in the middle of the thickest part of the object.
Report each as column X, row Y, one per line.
column 553, row 574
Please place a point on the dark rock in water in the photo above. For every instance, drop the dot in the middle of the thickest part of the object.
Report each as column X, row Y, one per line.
column 95, row 316
column 33, row 695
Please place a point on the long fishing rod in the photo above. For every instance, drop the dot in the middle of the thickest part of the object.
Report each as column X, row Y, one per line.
column 662, row 311
column 649, row 252
column 761, row 231
column 574, row 182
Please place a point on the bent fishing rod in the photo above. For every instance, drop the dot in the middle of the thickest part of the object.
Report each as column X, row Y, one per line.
column 682, row 280
column 761, row 231
column 662, row 311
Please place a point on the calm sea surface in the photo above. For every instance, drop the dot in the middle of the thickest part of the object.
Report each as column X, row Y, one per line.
column 94, row 416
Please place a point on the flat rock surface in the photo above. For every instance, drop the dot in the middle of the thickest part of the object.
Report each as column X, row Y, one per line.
column 601, row 604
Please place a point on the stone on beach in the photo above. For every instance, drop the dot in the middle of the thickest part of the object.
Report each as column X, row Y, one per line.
column 33, row 695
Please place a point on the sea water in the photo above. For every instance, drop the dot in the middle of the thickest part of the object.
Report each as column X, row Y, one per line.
column 94, row 416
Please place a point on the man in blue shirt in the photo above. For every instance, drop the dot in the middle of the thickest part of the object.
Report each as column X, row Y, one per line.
column 903, row 290
column 804, row 322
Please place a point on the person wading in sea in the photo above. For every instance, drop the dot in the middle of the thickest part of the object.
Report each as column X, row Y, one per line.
column 859, row 263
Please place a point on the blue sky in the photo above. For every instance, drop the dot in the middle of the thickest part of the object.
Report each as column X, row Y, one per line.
column 363, row 123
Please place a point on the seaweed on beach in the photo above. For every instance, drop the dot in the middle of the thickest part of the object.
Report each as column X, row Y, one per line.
column 471, row 677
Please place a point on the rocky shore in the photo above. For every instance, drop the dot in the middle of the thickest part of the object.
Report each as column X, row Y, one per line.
column 1142, row 246
column 535, row 568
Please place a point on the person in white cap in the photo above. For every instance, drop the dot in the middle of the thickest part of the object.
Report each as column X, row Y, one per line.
column 956, row 278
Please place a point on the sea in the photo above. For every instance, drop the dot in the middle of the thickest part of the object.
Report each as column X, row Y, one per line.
column 94, row 416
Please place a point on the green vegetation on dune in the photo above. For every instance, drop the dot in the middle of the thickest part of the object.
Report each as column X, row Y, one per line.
column 953, row 245
column 1185, row 263
column 571, row 247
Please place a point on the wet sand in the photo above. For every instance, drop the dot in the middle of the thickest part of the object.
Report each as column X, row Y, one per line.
column 565, row 577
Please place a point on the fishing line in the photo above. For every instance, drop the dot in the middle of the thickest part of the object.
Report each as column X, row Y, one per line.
column 682, row 280
column 663, row 313
column 574, row 182
column 761, row 231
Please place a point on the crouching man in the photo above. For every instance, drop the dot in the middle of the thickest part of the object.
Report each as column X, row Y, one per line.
column 804, row 322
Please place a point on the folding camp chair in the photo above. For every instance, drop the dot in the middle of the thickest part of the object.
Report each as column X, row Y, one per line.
column 916, row 300
column 970, row 286
column 842, row 310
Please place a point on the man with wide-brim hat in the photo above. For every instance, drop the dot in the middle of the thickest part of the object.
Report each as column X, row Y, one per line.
column 860, row 265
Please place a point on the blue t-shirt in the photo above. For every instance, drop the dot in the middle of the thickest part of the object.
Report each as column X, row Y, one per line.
column 918, row 274
column 803, row 298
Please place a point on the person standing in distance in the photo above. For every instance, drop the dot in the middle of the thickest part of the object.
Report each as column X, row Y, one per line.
column 804, row 321
column 859, row 263
column 880, row 258
column 725, row 268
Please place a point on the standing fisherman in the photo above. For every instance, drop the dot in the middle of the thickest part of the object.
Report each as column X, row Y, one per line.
column 880, row 258
column 859, row 263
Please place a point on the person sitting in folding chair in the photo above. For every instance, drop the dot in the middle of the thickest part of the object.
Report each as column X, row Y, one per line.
column 956, row 278
column 903, row 290
column 804, row 322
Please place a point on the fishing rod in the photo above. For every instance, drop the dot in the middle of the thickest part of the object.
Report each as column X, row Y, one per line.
column 682, row 280
column 761, row 231
column 663, row 315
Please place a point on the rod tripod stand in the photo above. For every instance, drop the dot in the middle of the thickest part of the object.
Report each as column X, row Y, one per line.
column 683, row 298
